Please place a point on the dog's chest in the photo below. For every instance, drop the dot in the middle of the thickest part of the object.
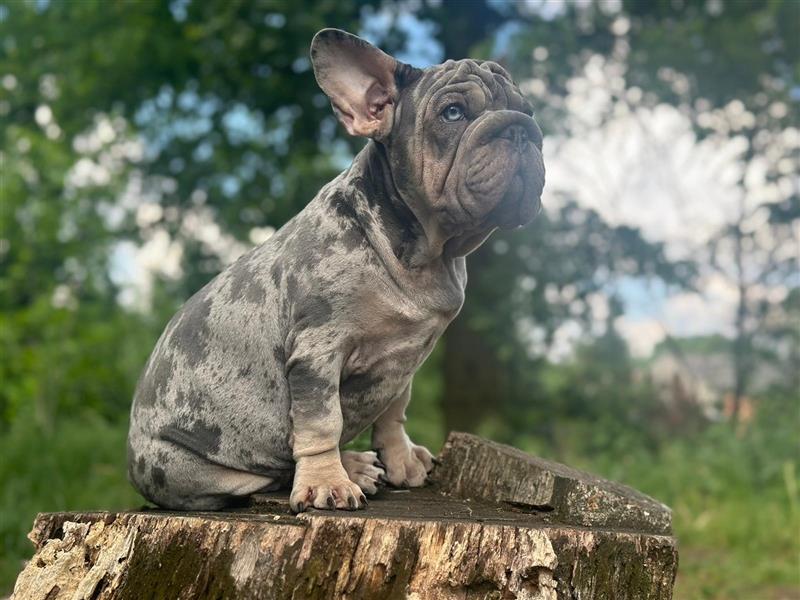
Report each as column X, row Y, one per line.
column 381, row 366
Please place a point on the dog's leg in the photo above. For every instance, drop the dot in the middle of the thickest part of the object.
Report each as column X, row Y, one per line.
column 407, row 464
column 320, row 480
column 176, row 478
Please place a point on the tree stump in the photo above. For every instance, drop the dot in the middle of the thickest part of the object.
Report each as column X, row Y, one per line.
column 495, row 523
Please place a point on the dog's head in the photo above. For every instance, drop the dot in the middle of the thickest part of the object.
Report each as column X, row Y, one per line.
column 461, row 141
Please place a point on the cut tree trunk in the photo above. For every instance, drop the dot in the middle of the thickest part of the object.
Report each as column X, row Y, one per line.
column 495, row 523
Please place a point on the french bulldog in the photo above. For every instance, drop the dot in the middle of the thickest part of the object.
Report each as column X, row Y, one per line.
column 308, row 339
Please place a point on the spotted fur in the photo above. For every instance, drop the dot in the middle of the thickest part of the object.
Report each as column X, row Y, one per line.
column 315, row 335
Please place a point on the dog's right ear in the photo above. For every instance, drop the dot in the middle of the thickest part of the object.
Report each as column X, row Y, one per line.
column 359, row 79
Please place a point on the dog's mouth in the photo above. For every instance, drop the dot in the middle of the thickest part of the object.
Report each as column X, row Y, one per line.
column 504, row 183
column 522, row 198
column 500, row 175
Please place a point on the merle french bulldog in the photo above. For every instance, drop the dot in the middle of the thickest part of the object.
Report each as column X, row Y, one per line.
column 315, row 335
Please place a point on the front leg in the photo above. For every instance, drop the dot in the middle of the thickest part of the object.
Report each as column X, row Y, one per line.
column 320, row 480
column 407, row 464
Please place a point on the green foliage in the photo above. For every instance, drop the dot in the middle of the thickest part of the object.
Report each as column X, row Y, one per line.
column 223, row 89
column 212, row 107
column 728, row 53
column 57, row 361
column 704, row 344
column 734, row 494
column 79, row 465
column 735, row 502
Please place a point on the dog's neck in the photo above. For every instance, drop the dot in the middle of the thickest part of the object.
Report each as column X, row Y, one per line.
column 411, row 242
column 415, row 237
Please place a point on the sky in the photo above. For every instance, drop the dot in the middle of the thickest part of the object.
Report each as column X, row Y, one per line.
column 645, row 167
column 647, row 170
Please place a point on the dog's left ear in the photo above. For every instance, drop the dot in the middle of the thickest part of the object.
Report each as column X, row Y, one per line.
column 359, row 79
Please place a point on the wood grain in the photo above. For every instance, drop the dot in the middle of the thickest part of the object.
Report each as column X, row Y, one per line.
column 455, row 539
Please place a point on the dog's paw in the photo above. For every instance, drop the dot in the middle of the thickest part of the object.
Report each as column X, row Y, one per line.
column 364, row 469
column 407, row 465
column 333, row 493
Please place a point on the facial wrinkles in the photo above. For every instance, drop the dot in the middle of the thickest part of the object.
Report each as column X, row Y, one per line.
column 498, row 89
column 504, row 92
column 478, row 99
column 466, row 78
column 419, row 125
column 462, row 80
column 494, row 98
column 425, row 90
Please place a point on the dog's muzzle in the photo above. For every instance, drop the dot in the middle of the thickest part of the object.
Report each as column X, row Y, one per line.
column 504, row 172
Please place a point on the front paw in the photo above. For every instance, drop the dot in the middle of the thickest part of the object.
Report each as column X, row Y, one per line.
column 363, row 469
column 326, row 493
column 407, row 465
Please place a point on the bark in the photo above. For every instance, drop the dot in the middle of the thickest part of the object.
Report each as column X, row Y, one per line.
column 472, row 468
column 503, row 527
column 471, row 373
column 474, row 380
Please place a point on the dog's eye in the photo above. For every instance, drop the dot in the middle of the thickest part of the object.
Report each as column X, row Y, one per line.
column 453, row 113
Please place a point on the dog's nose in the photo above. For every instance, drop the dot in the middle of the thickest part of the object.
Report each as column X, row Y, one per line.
column 517, row 134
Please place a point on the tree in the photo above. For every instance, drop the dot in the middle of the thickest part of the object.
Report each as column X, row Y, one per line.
column 731, row 69
column 141, row 121
column 486, row 361
column 736, row 91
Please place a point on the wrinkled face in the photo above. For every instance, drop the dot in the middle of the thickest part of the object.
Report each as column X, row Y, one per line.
column 465, row 135
column 464, row 149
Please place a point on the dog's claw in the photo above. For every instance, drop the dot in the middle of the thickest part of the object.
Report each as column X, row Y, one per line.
column 352, row 503
column 301, row 507
column 363, row 499
column 331, row 503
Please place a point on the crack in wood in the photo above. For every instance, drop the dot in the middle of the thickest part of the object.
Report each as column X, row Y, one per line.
column 454, row 539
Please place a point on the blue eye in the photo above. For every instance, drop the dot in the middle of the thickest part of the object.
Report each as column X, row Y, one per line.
column 453, row 113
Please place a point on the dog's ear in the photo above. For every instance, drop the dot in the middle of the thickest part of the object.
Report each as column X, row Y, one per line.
column 359, row 79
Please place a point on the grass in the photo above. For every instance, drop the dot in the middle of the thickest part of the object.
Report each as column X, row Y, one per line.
column 735, row 497
column 736, row 511
column 79, row 466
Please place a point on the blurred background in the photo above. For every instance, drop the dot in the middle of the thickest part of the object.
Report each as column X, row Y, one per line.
column 645, row 327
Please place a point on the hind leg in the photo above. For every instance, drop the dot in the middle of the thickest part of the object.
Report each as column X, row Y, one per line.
column 225, row 486
column 364, row 469
column 173, row 477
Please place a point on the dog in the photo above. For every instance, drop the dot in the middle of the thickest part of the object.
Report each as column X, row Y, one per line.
column 308, row 339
